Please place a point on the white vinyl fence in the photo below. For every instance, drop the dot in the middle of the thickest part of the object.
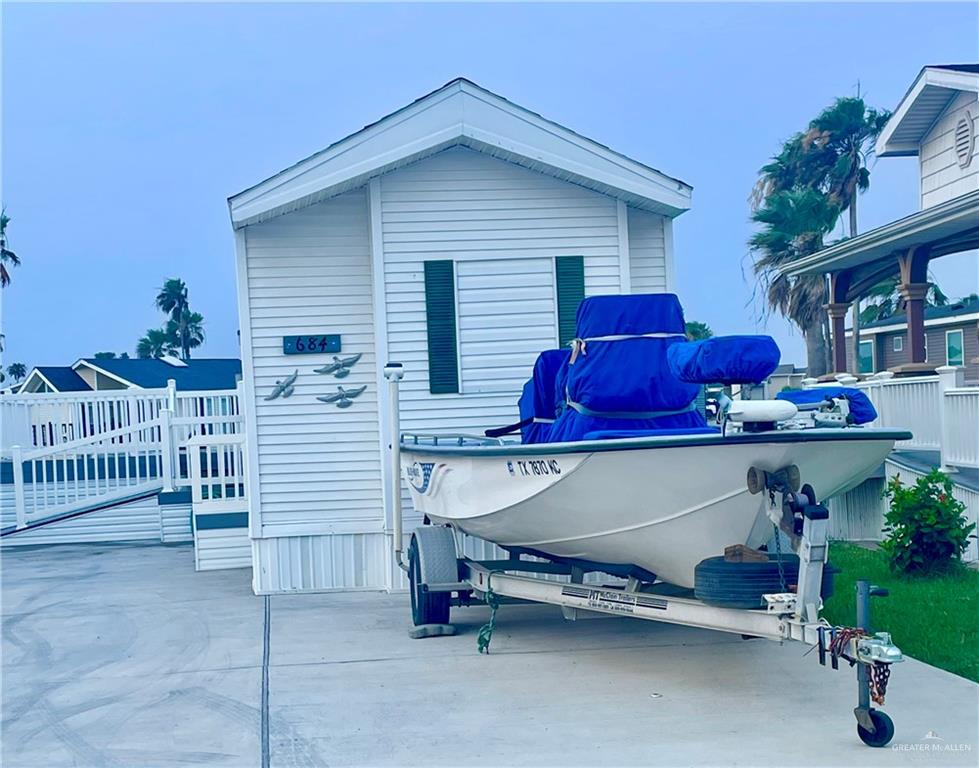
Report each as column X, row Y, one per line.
column 71, row 452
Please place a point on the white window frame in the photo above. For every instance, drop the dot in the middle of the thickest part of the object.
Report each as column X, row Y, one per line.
column 961, row 334
column 898, row 343
column 873, row 355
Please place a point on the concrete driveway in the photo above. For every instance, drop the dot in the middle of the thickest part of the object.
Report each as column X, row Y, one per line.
column 124, row 656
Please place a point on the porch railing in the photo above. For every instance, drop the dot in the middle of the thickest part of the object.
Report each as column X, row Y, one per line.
column 217, row 473
column 941, row 413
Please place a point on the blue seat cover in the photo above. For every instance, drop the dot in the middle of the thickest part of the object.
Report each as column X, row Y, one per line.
column 538, row 399
column 725, row 360
column 862, row 410
column 613, row 378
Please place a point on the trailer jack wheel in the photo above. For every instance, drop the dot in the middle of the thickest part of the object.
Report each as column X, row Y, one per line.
column 883, row 729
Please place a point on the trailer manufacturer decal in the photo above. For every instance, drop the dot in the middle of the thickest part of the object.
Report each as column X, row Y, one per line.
column 612, row 599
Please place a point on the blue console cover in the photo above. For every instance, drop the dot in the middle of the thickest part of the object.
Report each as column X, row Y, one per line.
column 725, row 360
column 538, row 400
column 862, row 410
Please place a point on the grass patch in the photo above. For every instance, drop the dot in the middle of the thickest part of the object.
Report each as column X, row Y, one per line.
column 933, row 619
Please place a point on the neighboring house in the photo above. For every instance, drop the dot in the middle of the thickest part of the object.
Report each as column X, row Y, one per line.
column 90, row 374
column 456, row 236
column 937, row 122
column 950, row 339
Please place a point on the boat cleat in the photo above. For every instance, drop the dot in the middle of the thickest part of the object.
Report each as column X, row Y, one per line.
column 878, row 648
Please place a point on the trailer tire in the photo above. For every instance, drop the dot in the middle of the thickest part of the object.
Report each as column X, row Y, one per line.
column 426, row 607
column 883, row 730
column 741, row 585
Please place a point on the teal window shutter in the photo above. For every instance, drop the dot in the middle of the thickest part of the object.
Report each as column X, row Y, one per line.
column 570, row 275
column 440, row 320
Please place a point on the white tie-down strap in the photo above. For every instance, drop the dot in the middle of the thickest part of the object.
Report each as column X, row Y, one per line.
column 579, row 346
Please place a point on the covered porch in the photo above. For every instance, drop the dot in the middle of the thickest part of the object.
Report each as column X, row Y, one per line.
column 903, row 248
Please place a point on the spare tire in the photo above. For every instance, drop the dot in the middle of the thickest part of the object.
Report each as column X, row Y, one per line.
column 741, row 585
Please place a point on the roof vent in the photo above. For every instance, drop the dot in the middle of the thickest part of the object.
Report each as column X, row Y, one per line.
column 176, row 362
column 965, row 140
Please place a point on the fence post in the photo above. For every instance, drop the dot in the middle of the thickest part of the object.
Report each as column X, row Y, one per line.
column 172, row 395
column 17, row 458
column 949, row 377
column 166, row 449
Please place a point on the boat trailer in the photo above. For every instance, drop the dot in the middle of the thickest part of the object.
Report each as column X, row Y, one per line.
column 440, row 578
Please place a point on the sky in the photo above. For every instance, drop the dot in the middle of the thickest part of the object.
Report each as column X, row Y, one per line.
column 126, row 127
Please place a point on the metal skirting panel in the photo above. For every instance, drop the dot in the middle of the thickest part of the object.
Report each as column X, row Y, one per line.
column 858, row 514
column 222, row 548
column 132, row 521
column 175, row 523
column 328, row 562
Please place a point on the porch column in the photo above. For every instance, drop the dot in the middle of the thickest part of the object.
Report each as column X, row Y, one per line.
column 914, row 296
column 839, row 305
column 837, row 317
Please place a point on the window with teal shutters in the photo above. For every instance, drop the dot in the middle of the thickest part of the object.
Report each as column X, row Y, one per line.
column 569, row 273
column 440, row 320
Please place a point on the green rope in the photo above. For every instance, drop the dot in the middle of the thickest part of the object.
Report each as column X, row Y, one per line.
column 486, row 631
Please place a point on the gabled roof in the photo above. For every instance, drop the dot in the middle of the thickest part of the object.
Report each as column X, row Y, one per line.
column 923, row 104
column 61, row 378
column 204, row 373
column 459, row 113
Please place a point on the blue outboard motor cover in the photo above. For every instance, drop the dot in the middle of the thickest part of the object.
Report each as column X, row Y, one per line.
column 538, row 398
column 862, row 410
column 725, row 360
column 619, row 378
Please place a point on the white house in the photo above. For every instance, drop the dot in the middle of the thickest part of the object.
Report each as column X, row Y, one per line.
column 456, row 236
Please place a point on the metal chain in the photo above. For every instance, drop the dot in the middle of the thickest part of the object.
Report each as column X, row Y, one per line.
column 879, row 674
column 778, row 557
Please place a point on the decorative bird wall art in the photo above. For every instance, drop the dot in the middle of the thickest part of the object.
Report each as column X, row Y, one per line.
column 343, row 397
column 340, row 367
column 284, row 387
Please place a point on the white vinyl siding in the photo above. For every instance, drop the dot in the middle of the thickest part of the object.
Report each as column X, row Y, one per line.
column 507, row 315
column 319, row 465
column 469, row 207
column 647, row 252
column 942, row 178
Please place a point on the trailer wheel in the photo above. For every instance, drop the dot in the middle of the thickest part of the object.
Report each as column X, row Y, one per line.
column 426, row 607
column 883, row 730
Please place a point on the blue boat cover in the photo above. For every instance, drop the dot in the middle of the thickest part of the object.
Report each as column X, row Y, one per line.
column 725, row 360
column 538, row 401
column 617, row 375
column 862, row 411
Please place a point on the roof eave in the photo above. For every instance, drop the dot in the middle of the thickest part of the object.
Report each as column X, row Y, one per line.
column 98, row 369
column 936, row 77
column 828, row 259
column 465, row 120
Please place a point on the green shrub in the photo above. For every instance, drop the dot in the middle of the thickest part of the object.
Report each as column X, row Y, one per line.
column 925, row 529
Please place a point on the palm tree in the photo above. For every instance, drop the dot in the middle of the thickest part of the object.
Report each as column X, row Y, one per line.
column 846, row 133
column 17, row 371
column 156, row 343
column 172, row 299
column 6, row 255
column 696, row 331
column 793, row 224
column 188, row 333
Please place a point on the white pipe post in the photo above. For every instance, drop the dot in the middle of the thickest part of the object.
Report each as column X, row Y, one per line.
column 172, row 395
column 166, row 450
column 16, row 455
column 949, row 377
column 394, row 372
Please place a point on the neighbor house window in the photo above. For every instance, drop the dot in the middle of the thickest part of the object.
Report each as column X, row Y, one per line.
column 866, row 356
column 954, row 348
column 898, row 343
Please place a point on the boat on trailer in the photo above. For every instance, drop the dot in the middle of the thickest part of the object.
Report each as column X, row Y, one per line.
column 618, row 472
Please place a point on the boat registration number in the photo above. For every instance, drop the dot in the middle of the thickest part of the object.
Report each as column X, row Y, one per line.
column 533, row 468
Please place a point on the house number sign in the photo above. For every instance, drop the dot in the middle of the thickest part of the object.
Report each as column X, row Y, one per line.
column 311, row 344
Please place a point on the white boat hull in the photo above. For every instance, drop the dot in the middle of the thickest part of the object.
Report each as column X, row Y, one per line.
column 663, row 508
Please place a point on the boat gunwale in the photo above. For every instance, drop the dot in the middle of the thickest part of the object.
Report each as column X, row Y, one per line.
column 654, row 441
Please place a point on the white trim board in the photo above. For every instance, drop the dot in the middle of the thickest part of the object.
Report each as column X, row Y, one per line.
column 460, row 113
